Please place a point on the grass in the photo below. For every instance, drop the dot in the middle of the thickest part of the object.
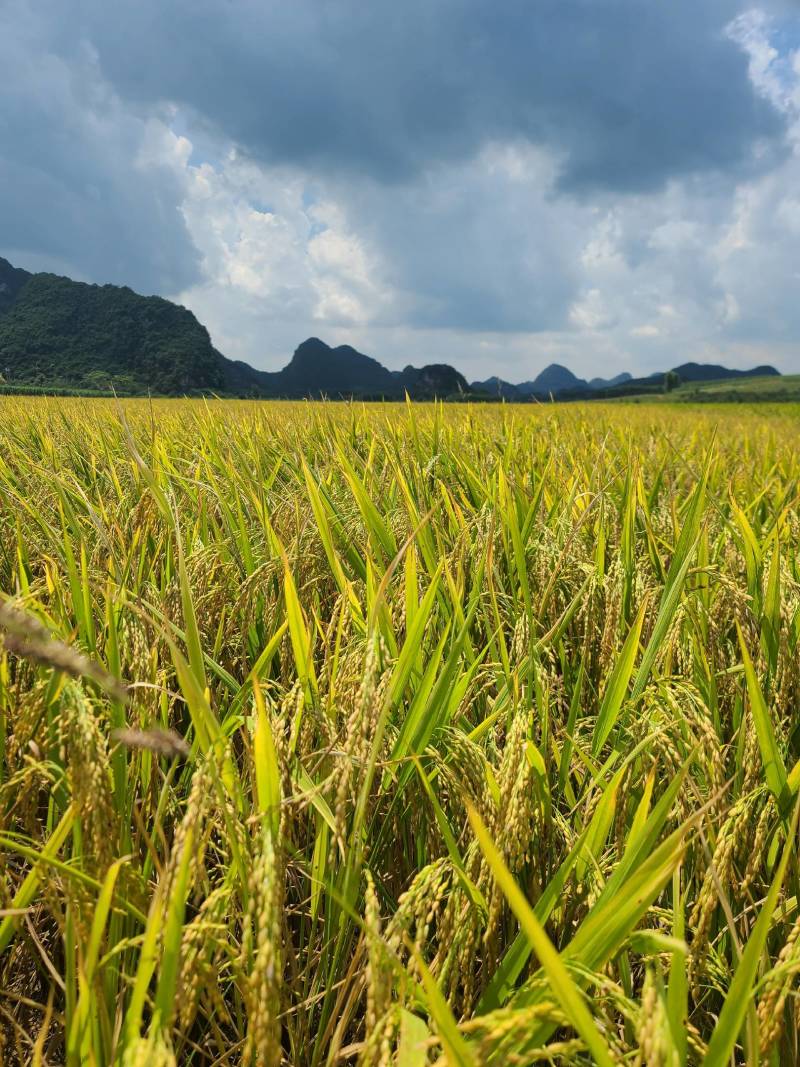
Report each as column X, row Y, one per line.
column 344, row 734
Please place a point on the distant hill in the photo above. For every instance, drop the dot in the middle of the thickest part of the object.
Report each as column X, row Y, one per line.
column 434, row 379
column 686, row 374
column 60, row 335
column 607, row 383
column 496, row 387
column 317, row 369
column 712, row 372
column 553, row 379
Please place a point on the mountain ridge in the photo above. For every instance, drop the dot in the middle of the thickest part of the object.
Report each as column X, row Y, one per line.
column 59, row 334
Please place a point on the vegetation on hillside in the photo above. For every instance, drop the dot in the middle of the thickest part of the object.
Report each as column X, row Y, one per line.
column 65, row 334
column 785, row 388
column 398, row 735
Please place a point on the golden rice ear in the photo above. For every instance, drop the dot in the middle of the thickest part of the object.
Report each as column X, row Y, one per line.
column 262, row 961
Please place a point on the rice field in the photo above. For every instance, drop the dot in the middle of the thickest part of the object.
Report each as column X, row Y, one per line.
column 401, row 735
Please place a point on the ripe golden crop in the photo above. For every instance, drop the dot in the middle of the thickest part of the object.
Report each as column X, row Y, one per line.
column 397, row 734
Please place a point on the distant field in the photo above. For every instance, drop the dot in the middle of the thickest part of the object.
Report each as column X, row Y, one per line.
column 742, row 390
column 398, row 735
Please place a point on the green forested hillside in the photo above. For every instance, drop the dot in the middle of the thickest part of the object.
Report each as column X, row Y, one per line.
column 63, row 333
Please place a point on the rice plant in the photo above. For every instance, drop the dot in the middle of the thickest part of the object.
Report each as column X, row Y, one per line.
column 398, row 734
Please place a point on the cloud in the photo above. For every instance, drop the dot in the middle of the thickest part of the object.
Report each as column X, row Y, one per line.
column 625, row 93
column 79, row 191
column 279, row 262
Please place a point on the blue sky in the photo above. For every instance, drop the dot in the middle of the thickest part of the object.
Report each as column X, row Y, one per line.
column 612, row 184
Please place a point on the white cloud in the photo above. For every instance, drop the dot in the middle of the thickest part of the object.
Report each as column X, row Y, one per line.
column 647, row 329
column 590, row 312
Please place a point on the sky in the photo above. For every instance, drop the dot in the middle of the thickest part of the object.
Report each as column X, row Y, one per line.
column 609, row 184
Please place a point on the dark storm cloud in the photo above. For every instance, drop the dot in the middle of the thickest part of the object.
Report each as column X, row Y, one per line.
column 627, row 93
column 73, row 189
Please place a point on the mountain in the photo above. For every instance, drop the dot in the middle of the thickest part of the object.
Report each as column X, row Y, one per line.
column 316, row 369
column 496, row 387
column 319, row 370
column 553, row 379
column 58, row 334
column 434, row 379
column 709, row 372
column 559, row 381
column 608, row 383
